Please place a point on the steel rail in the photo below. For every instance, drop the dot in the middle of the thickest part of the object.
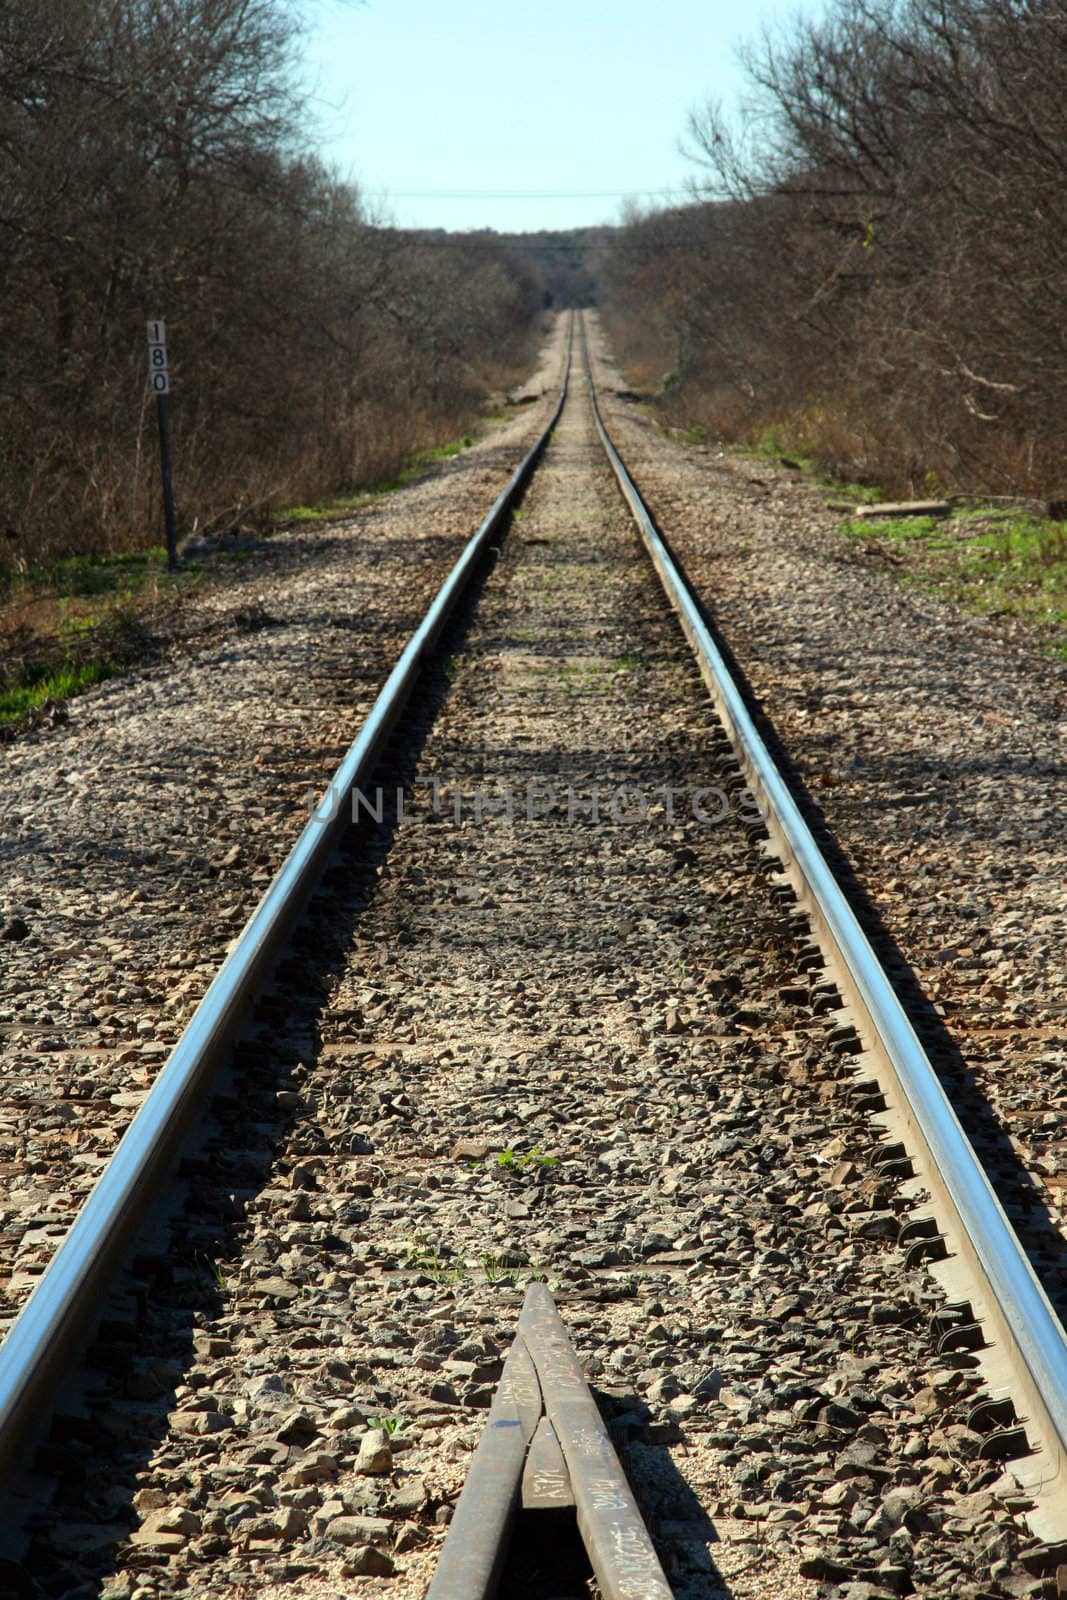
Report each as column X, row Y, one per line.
column 542, row 1392
column 614, row 1532
column 472, row 1559
column 1026, row 1348
column 59, row 1312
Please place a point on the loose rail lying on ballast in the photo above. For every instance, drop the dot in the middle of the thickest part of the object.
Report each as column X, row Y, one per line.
column 546, row 1448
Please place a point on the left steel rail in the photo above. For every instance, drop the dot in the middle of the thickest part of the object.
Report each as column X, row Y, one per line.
column 59, row 1314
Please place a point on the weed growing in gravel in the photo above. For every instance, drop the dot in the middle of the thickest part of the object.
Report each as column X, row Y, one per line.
column 212, row 1270
column 508, row 1161
column 497, row 1273
column 428, row 1257
column 390, row 1425
column 583, row 674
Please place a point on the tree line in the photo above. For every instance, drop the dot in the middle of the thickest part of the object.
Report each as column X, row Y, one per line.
column 155, row 161
column 874, row 257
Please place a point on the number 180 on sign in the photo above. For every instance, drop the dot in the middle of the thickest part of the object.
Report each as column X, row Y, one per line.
column 158, row 368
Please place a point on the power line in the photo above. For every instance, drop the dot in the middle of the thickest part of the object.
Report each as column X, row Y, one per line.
column 521, row 194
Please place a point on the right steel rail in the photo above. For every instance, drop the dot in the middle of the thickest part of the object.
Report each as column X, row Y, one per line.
column 1025, row 1353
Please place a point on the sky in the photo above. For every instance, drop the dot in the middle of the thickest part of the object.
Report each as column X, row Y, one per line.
column 496, row 114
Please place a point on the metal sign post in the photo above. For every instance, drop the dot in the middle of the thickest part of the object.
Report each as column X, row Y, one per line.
column 159, row 378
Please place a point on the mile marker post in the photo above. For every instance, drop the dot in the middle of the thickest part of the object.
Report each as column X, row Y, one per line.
column 159, row 378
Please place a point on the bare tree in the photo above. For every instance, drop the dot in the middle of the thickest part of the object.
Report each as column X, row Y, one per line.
column 892, row 260
column 154, row 162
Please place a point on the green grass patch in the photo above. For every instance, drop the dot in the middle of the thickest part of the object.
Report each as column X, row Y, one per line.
column 411, row 469
column 18, row 699
column 902, row 529
column 991, row 561
column 305, row 513
column 693, row 433
column 444, row 452
column 415, row 466
column 320, row 513
column 861, row 494
column 71, row 623
column 773, row 445
column 72, row 651
column 86, row 577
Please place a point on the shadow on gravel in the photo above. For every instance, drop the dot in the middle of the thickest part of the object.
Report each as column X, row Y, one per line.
column 548, row 1560
column 1036, row 1226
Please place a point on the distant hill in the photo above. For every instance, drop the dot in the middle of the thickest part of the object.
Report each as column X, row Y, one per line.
column 565, row 262
column 568, row 261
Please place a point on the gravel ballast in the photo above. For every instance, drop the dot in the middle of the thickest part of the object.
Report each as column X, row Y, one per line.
column 549, row 1021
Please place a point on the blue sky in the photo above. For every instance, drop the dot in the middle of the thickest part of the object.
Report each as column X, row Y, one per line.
column 439, row 111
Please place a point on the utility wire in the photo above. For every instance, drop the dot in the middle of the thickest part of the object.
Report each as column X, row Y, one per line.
column 519, row 194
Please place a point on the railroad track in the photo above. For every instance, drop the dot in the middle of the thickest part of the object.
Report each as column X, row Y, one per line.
column 992, row 1317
